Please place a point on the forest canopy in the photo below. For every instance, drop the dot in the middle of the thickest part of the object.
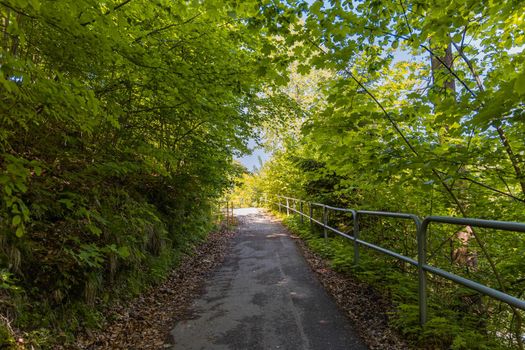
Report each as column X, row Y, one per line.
column 120, row 121
column 414, row 107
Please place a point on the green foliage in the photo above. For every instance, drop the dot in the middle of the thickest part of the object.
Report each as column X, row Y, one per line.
column 446, row 328
column 421, row 111
column 6, row 338
column 119, row 122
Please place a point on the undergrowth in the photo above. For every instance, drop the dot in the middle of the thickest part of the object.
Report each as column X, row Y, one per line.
column 448, row 327
column 76, row 278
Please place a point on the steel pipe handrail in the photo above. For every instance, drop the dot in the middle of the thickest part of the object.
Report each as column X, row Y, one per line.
column 494, row 224
column 421, row 226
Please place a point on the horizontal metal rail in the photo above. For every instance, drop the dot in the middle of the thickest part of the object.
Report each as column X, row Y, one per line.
column 421, row 227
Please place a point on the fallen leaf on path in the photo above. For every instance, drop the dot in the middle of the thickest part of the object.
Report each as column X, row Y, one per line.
column 362, row 304
column 145, row 322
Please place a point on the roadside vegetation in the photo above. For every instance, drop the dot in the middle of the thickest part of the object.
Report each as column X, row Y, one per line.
column 120, row 121
column 427, row 117
column 118, row 125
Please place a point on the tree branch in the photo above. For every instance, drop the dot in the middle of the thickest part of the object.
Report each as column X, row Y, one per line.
column 125, row 2
column 150, row 109
column 158, row 30
column 16, row 10
column 119, row 6
column 493, row 189
column 514, row 159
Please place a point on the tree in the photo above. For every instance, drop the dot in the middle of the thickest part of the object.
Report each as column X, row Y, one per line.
column 119, row 122
column 393, row 134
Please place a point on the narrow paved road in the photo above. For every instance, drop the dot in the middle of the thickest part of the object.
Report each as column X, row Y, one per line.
column 264, row 296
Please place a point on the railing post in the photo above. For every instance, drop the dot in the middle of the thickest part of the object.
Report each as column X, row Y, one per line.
column 311, row 216
column 422, row 278
column 227, row 216
column 301, row 211
column 287, row 207
column 356, row 237
column 422, row 247
column 325, row 222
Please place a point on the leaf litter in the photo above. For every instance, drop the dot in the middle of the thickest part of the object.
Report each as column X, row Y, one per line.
column 146, row 322
column 365, row 306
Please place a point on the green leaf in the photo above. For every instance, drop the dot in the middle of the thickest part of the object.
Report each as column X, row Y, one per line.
column 16, row 220
column 35, row 4
column 67, row 202
column 316, row 8
column 123, row 252
column 303, row 69
column 519, row 84
column 20, row 231
column 94, row 229
column 21, row 186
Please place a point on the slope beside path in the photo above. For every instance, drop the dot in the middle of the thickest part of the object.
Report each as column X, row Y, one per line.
column 264, row 296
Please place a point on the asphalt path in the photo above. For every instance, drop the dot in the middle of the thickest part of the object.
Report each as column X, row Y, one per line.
column 264, row 296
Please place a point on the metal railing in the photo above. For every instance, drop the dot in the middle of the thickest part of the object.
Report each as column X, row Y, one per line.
column 421, row 226
column 224, row 212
